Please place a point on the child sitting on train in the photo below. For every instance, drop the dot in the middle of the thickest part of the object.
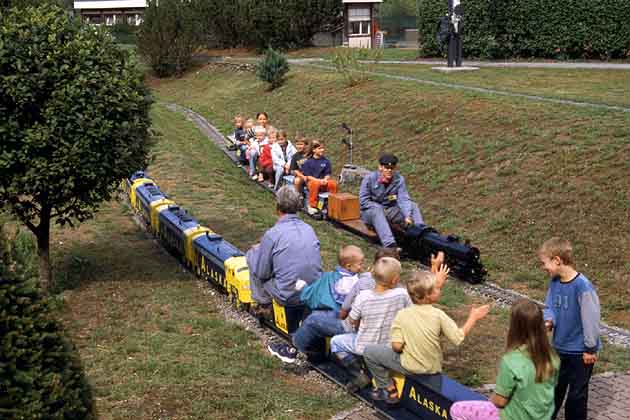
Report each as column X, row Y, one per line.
column 528, row 373
column 372, row 314
column 249, row 129
column 281, row 154
column 240, row 139
column 253, row 150
column 265, row 160
column 325, row 297
column 317, row 171
column 298, row 159
column 414, row 347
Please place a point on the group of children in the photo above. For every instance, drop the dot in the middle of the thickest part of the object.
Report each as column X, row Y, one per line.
column 269, row 156
column 373, row 320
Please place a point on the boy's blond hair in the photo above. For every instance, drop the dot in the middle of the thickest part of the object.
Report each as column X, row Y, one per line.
column 348, row 254
column 282, row 134
column 420, row 285
column 239, row 117
column 385, row 270
column 558, row 247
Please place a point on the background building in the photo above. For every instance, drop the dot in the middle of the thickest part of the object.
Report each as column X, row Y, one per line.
column 111, row 12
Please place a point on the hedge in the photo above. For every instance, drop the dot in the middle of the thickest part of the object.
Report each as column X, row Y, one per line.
column 585, row 29
column 40, row 372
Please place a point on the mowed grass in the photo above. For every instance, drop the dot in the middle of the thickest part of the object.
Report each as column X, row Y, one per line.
column 609, row 87
column 507, row 173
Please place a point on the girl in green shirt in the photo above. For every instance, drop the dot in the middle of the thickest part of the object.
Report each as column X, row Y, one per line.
column 527, row 374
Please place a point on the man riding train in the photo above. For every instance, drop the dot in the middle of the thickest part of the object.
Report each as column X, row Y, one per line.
column 385, row 201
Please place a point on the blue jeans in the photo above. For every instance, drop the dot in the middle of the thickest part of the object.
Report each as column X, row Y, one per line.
column 344, row 344
column 279, row 172
column 253, row 158
column 241, row 158
column 317, row 325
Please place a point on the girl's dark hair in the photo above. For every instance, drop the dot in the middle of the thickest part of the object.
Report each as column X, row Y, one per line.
column 313, row 144
column 262, row 113
column 386, row 252
column 527, row 328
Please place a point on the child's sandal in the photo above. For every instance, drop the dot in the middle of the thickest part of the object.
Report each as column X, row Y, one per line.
column 392, row 396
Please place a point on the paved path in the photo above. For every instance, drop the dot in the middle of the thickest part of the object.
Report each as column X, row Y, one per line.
column 609, row 399
column 503, row 64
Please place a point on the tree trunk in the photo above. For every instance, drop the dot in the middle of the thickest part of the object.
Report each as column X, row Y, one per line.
column 43, row 251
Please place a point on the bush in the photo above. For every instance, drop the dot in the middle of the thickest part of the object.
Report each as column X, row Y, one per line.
column 534, row 28
column 348, row 63
column 169, row 35
column 123, row 33
column 273, row 68
column 40, row 374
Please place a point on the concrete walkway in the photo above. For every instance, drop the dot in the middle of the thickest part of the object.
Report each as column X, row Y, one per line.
column 609, row 399
column 509, row 64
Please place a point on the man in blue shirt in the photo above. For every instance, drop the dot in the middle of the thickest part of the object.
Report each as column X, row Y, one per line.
column 385, row 200
column 287, row 252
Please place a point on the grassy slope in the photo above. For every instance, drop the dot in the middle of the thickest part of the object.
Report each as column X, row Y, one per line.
column 506, row 173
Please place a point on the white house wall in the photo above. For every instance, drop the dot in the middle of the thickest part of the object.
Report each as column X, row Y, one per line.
column 109, row 4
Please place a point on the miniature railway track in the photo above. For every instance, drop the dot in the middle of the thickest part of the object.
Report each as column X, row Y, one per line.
column 503, row 297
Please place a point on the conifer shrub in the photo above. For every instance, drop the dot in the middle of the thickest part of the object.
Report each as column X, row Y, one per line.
column 40, row 373
column 273, row 68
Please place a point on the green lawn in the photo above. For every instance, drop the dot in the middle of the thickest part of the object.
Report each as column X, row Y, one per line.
column 507, row 173
column 609, row 87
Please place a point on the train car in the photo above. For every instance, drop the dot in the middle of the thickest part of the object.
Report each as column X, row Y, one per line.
column 126, row 183
column 420, row 242
column 132, row 185
column 150, row 201
column 177, row 230
column 210, row 253
column 237, row 278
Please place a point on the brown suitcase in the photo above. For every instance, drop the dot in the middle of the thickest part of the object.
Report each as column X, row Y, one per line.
column 343, row 206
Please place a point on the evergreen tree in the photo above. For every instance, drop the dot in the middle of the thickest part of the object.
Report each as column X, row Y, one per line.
column 40, row 374
column 273, row 68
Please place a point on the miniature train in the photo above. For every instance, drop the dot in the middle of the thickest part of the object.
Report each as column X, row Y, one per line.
column 217, row 261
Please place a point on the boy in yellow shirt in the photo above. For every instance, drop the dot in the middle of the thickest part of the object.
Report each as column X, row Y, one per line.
column 415, row 336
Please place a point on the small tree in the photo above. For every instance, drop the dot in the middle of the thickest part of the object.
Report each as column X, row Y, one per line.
column 74, row 119
column 169, row 35
column 273, row 68
column 40, row 373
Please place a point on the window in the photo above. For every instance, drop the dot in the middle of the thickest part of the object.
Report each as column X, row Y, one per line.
column 360, row 28
column 109, row 20
column 94, row 19
column 359, row 20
